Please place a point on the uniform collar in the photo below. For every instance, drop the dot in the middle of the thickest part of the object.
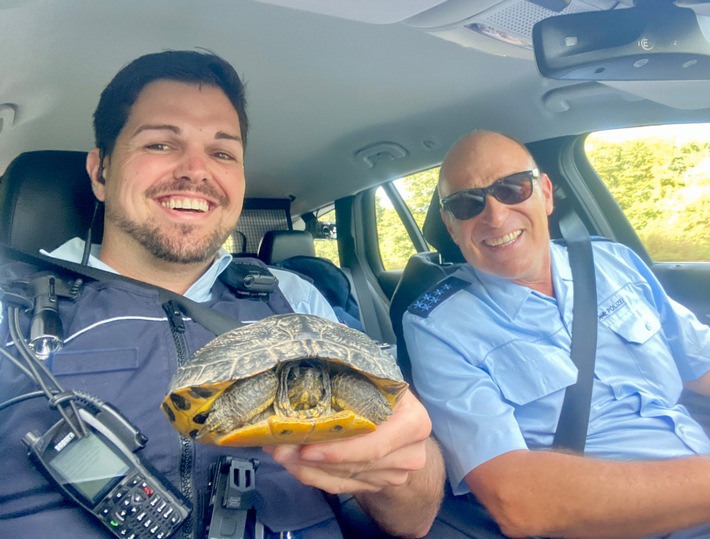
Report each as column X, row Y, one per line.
column 510, row 296
column 200, row 291
column 504, row 293
column 560, row 262
column 562, row 281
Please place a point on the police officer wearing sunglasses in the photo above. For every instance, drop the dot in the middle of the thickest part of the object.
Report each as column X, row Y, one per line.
column 490, row 352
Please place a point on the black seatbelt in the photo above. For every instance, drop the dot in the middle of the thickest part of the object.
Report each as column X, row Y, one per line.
column 574, row 417
column 212, row 320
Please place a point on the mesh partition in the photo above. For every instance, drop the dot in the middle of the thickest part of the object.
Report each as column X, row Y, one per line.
column 259, row 215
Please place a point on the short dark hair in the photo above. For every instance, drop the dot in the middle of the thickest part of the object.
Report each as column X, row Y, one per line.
column 192, row 67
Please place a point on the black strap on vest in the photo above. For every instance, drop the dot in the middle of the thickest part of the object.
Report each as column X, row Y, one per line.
column 574, row 417
column 245, row 281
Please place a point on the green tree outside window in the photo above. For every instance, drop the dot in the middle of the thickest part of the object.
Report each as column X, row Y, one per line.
column 661, row 179
column 395, row 245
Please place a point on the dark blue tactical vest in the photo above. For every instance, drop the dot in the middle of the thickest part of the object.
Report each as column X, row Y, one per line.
column 122, row 347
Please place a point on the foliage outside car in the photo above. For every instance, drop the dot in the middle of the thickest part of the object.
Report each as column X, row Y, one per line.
column 663, row 186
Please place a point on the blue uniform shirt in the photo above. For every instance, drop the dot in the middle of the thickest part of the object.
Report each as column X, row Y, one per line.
column 131, row 373
column 301, row 295
column 491, row 359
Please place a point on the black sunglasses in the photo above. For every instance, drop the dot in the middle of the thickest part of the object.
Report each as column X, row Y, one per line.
column 510, row 190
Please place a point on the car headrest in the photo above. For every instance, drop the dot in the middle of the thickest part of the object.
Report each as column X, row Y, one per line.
column 45, row 200
column 437, row 235
column 278, row 245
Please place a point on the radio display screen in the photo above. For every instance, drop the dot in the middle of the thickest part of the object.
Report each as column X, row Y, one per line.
column 90, row 467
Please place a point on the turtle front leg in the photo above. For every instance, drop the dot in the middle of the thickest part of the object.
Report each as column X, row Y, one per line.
column 354, row 392
column 240, row 404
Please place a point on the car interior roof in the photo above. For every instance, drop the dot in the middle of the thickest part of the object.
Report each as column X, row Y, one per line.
column 341, row 95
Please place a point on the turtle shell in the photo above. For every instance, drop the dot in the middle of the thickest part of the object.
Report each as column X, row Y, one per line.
column 276, row 345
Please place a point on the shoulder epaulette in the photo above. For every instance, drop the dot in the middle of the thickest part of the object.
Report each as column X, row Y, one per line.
column 433, row 297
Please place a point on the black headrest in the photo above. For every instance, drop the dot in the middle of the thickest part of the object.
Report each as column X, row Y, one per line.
column 45, row 200
column 336, row 287
column 437, row 236
column 278, row 245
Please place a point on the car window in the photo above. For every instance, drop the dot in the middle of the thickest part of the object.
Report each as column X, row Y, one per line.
column 415, row 190
column 326, row 243
column 660, row 176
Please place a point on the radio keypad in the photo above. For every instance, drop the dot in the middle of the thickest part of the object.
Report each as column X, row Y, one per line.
column 136, row 511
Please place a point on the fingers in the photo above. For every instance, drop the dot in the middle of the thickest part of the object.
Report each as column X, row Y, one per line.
column 339, row 478
column 408, row 458
column 408, row 424
column 369, row 463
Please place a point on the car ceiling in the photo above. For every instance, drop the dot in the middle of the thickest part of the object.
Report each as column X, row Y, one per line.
column 343, row 94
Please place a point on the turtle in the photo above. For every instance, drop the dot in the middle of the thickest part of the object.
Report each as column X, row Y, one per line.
column 289, row 378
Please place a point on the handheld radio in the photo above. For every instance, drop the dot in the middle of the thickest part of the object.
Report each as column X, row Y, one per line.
column 102, row 473
column 90, row 454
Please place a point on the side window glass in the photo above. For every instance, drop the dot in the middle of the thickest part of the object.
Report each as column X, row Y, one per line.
column 660, row 176
column 327, row 240
column 395, row 244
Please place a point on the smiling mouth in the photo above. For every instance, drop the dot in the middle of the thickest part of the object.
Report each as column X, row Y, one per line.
column 186, row 204
column 503, row 240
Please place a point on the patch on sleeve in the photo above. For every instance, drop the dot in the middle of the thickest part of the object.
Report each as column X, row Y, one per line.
column 436, row 295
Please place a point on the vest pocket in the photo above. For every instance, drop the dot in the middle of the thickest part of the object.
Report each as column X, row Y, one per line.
column 528, row 371
column 93, row 361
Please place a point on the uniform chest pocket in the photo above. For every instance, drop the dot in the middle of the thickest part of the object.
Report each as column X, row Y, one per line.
column 94, row 361
column 630, row 317
column 526, row 372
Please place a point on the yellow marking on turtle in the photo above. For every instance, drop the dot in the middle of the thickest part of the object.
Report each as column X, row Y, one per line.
column 306, row 411
column 287, row 430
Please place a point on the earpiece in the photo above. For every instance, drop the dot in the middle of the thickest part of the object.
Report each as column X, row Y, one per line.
column 101, row 169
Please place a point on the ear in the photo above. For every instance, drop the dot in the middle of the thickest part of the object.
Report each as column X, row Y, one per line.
column 546, row 188
column 94, row 169
column 447, row 219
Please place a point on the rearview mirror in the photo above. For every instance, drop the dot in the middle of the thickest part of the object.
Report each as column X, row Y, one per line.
column 654, row 40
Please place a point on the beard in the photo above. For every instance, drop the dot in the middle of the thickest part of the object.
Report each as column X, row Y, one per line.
column 177, row 245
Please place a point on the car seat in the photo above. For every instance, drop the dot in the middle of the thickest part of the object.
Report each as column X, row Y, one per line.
column 295, row 250
column 45, row 200
column 278, row 245
column 423, row 270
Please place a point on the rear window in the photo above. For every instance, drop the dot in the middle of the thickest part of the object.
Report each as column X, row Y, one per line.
column 395, row 244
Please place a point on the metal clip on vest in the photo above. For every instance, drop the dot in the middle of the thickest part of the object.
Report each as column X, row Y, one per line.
column 232, row 497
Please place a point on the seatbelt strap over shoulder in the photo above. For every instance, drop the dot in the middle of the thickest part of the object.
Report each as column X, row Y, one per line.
column 212, row 320
column 574, row 417
column 370, row 321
